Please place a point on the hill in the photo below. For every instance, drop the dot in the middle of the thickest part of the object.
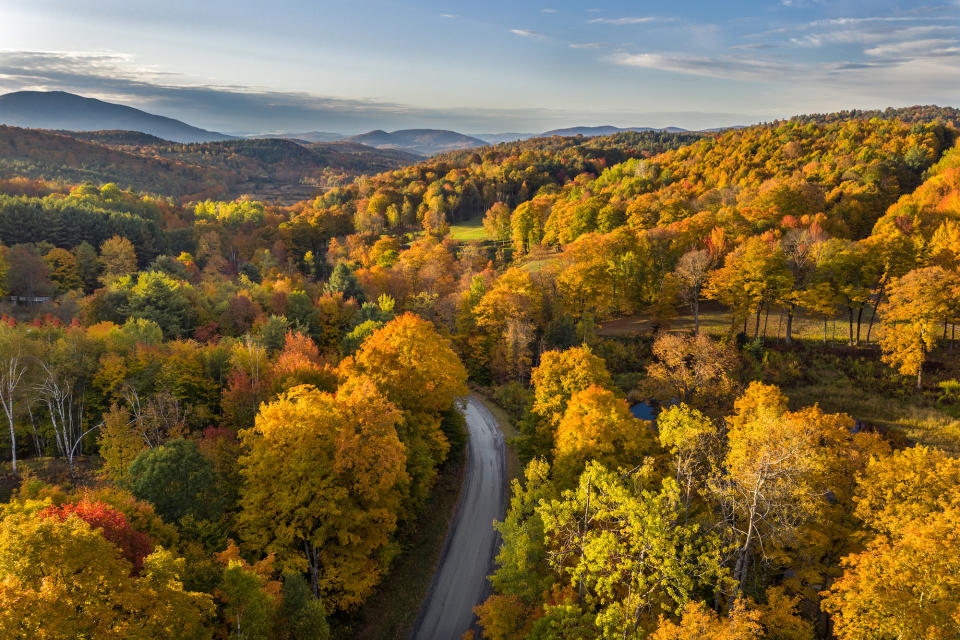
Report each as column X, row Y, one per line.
column 270, row 169
column 426, row 142
column 61, row 110
column 36, row 154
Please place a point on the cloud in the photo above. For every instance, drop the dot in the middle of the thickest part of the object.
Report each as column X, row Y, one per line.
column 731, row 67
column 587, row 45
column 928, row 47
column 756, row 46
column 449, row 15
column 878, row 33
column 117, row 77
column 621, row 21
column 548, row 10
column 525, row 33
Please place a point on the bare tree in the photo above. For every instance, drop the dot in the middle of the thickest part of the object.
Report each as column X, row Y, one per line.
column 11, row 376
column 692, row 270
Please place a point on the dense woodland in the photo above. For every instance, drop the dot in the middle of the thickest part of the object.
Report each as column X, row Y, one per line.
column 222, row 419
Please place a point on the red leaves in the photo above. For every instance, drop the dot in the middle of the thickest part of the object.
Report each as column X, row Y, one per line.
column 134, row 545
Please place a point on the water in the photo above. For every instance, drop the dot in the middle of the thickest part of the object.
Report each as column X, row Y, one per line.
column 644, row 411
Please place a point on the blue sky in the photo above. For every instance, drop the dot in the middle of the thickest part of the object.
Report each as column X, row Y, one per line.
column 488, row 66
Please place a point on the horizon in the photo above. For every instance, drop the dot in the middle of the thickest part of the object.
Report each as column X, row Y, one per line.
column 494, row 68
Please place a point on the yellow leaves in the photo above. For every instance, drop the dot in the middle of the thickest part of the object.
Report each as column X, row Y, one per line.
column 598, row 426
column 324, row 479
column 906, row 587
column 63, row 580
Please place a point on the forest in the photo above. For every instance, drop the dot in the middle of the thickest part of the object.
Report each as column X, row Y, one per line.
column 725, row 363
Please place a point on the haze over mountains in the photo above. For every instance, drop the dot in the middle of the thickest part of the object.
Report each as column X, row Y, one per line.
column 61, row 111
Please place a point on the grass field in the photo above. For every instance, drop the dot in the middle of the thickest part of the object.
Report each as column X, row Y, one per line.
column 468, row 231
column 715, row 320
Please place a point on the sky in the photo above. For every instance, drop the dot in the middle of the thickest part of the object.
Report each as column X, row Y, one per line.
column 488, row 66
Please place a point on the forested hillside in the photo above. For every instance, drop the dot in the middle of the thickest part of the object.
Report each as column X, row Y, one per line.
column 727, row 361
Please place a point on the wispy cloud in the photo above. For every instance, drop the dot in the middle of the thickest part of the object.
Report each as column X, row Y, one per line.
column 525, row 33
column 587, row 45
column 929, row 47
column 732, row 67
column 449, row 15
column 622, row 21
column 548, row 10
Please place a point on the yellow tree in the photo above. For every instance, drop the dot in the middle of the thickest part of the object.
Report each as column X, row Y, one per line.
column 560, row 375
column 324, row 478
column 599, row 426
column 907, row 586
column 417, row 370
column 117, row 258
column 777, row 470
column 61, row 579
column 919, row 302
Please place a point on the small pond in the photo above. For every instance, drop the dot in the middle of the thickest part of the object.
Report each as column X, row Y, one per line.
column 645, row 410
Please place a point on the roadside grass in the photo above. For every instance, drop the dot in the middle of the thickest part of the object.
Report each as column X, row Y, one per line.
column 390, row 612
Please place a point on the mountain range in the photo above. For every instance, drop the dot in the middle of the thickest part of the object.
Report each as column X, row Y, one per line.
column 70, row 113
column 61, row 110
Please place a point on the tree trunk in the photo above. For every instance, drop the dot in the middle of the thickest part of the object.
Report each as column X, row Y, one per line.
column 850, row 325
column 756, row 328
column 874, row 315
column 696, row 313
column 859, row 321
column 920, row 378
column 790, row 323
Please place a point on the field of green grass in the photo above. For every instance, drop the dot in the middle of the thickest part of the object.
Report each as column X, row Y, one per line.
column 468, row 231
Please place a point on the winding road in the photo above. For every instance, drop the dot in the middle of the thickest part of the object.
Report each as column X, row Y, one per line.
column 460, row 581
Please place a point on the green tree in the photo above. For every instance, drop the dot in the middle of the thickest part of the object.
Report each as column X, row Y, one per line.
column 178, row 480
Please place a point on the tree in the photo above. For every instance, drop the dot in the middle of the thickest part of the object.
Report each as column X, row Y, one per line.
column 118, row 258
column 776, row 620
column 625, row 550
column 161, row 299
column 342, row 280
column 120, row 443
column 177, row 480
column 28, row 276
column 134, row 545
column 250, row 598
column 62, row 579
column 88, row 265
column 692, row 271
column 920, row 302
column 417, row 370
column 324, row 478
column 560, row 375
column 304, row 617
column 907, row 586
column 496, row 222
column 753, row 275
column 693, row 369
column 64, row 271
column 692, row 438
column 12, row 370
column 777, row 468
column 598, row 425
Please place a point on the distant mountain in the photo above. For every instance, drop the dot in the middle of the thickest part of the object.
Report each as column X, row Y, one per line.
column 306, row 136
column 61, row 110
column 497, row 138
column 608, row 130
column 426, row 142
